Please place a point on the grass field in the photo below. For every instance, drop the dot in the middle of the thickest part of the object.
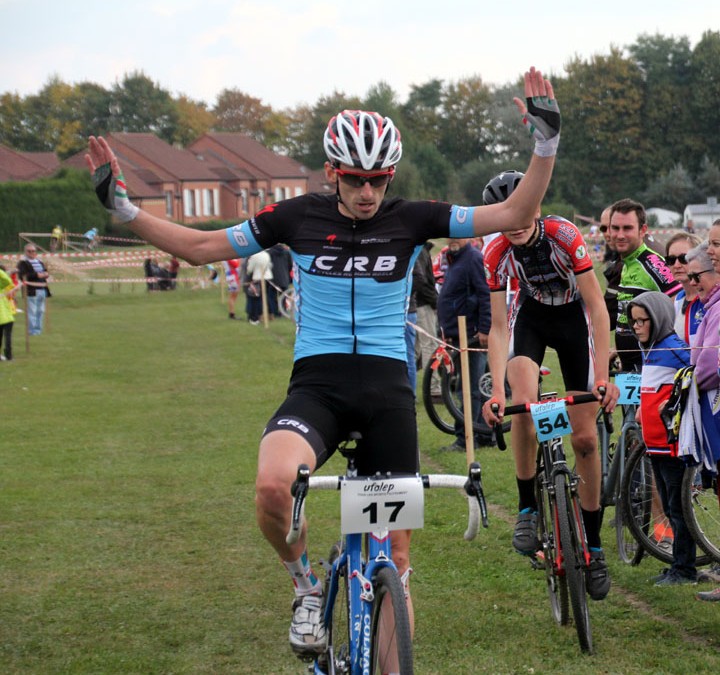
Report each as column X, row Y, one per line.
column 128, row 440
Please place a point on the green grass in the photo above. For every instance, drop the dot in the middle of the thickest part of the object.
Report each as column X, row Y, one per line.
column 128, row 541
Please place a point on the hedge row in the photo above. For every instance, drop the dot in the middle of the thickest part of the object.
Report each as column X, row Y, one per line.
column 67, row 199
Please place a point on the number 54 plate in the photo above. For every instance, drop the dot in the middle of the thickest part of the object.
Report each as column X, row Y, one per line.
column 373, row 504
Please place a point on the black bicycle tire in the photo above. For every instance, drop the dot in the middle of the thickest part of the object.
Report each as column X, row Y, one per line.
column 556, row 583
column 641, row 524
column 448, row 396
column 338, row 626
column 630, row 550
column 694, row 503
column 429, row 371
column 387, row 583
column 571, row 538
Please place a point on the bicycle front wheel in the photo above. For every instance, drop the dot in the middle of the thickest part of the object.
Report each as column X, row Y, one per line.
column 550, row 544
column 572, row 542
column 391, row 642
column 337, row 658
column 701, row 508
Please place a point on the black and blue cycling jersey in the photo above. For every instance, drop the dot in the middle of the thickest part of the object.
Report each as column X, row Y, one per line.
column 352, row 277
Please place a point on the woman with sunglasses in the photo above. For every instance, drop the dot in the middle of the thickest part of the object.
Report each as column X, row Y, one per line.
column 688, row 308
column 704, row 357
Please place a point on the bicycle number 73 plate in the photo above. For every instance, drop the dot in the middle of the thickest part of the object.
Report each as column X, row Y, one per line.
column 629, row 385
column 369, row 504
column 551, row 419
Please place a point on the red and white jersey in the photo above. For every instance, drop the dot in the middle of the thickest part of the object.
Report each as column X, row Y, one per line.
column 547, row 269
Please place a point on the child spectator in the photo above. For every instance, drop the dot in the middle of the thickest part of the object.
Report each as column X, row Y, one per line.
column 651, row 316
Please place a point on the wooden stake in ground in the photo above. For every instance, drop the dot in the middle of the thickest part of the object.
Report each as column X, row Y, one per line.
column 466, row 397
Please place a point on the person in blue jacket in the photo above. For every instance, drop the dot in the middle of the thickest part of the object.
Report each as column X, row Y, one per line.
column 651, row 316
column 465, row 292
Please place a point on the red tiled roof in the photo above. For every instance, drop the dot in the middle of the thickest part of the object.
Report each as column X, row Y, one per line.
column 165, row 161
column 252, row 155
column 16, row 165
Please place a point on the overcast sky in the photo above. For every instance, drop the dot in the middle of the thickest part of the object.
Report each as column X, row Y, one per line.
column 288, row 52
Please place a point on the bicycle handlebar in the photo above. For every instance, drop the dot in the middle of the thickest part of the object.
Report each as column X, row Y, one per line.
column 471, row 484
column 525, row 408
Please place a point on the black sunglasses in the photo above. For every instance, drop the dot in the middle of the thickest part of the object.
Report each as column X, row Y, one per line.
column 695, row 276
column 670, row 259
column 358, row 180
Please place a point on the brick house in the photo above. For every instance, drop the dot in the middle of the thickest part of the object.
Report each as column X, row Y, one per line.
column 25, row 166
column 254, row 176
column 221, row 176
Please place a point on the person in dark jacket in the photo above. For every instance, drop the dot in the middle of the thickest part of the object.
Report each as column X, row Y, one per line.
column 465, row 292
column 426, row 299
column 34, row 275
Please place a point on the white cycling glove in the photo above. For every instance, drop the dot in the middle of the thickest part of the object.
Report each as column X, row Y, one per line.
column 112, row 193
column 542, row 120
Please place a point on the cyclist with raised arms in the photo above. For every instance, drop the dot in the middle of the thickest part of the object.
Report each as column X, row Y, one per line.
column 559, row 305
column 353, row 255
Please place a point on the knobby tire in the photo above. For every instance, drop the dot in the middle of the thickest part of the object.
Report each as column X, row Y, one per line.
column 390, row 608
column 572, row 544
column 337, row 658
column 701, row 508
column 548, row 537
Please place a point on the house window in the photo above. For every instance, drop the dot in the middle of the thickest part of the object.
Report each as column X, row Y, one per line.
column 216, row 201
column 278, row 194
column 298, row 191
column 261, row 197
column 189, row 202
column 198, row 202
column 244, row 200
column 207, row 203
column 168, row 203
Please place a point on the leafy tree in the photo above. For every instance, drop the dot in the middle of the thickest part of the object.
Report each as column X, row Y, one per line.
column 705, row 92
column 672, row 190
column 140, row 105
column 666, row 118
column 603, row 145
column 708, row 179
column 423, row 111
column 14, row 131
column 193, row 120
column 465, row 125
column 309, row 138
column 237, row 111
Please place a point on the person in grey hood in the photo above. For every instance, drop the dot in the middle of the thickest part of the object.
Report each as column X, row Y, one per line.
column 651, row 316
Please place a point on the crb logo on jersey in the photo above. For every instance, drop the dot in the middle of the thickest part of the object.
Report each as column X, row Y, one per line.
column 380, row 267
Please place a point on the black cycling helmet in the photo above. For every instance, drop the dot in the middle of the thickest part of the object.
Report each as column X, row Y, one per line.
column 501, row 187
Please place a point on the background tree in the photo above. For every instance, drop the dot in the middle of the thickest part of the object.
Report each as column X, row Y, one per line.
column 666, row 118
column 705, row 94
column 140, row 105
column 603, row 146
column 672, row 190
column 193, row 120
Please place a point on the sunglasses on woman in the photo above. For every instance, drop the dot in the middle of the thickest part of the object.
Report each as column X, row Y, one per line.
column 670, row 259
column 695, row 276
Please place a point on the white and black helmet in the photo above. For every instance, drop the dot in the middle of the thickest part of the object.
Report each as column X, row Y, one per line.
column 501, row 187
column 365, row 140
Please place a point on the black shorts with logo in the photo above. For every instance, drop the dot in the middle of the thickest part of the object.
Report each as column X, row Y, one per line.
column 332, row 395
column 564, row 328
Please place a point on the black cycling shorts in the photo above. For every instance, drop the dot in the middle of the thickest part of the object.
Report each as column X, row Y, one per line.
column 332, row 395
column 564, row 328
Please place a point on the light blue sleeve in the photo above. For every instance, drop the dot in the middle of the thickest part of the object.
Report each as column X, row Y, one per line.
column 242, row 239
column 461, row 222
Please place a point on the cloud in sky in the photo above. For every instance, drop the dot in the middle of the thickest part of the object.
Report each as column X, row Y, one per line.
column 289, row 53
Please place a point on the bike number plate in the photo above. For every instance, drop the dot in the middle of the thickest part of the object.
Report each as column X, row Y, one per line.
column 367, row 505
column 629, row 385
column 550, row 419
